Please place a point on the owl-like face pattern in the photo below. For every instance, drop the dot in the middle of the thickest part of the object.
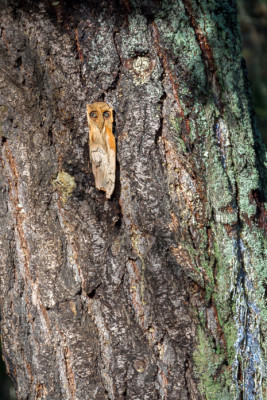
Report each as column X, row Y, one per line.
column 102, row 146
column 100, row 114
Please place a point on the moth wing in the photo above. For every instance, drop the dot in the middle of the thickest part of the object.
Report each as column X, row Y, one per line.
column 111, row 171
column 100, row 165
column 102, row 148
column 97, row 153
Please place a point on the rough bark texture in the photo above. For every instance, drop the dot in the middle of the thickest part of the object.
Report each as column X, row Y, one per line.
column 156, row 293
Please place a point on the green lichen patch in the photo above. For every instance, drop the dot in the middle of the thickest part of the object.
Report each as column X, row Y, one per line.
column 65, row 185
column 214, row 376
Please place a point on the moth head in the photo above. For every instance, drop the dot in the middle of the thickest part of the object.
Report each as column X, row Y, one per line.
column 100, row 115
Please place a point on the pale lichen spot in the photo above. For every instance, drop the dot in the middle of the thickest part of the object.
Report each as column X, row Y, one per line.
column 142, row 67
column 65, row 185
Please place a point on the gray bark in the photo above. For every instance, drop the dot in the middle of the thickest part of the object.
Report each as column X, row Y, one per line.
column 147, row 295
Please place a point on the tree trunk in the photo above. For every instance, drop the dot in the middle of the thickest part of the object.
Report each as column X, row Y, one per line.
column 155, row 293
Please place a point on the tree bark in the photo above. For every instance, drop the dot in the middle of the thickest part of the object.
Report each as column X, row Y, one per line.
column 156, row 293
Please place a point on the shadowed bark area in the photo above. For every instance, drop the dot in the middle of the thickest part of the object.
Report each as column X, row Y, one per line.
column 155, row 293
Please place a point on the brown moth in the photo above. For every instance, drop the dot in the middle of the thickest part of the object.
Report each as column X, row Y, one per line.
column 102, row 146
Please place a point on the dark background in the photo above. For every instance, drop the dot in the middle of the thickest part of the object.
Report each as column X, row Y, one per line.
column 253, row 20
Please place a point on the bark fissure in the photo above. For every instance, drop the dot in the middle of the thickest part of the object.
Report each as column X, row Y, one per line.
column 161, row 123
column 206, row 49
column 166, row 67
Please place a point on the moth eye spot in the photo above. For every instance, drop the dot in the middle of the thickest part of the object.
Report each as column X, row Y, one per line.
column 106, row 114
column 93, row 114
